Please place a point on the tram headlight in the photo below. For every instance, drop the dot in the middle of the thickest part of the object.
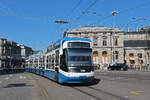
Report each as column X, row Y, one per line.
column 72, row 64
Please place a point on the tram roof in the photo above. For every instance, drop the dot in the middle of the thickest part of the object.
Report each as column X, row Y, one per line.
column 70, row 39
column 41, row 53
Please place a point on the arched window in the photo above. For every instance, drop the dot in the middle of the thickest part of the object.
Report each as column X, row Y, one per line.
column 131, row 58
column 131, row 55
column 140, row 58
column 95, row 57
column 104, row 54
column 104, row 57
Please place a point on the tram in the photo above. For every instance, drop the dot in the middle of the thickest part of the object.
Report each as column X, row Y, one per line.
column 69, row 60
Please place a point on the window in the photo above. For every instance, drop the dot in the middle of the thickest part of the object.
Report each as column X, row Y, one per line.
column 79, row 58
column 104, row 54
column 95, row 57
column 57, row 58
column 95, row 41
column 115, row 41
column 140, row 59
column 104, row 41
column 132, row 62
column 53, row 61
column 63, row 64
column 116, row 55
column 78, row 44
column 131, row 57
column 104, row 57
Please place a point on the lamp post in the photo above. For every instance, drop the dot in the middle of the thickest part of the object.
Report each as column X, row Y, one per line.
column 113, row 46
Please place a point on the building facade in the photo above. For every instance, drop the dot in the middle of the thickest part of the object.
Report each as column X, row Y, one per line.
column 107, row 43
column 11, row 53
column 137, row 48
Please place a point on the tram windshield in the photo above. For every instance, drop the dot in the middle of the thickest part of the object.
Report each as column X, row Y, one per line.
column 78, row 44
column 79, row 57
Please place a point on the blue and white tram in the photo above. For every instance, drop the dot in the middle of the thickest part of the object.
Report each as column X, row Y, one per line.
column 69, row 61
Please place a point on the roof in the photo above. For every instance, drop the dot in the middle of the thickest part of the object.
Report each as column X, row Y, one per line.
column 41, row 53
column 70, row 39
column 94, row 29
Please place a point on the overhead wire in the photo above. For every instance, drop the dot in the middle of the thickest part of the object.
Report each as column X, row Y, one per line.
column 85, row 11
column 74, row 8
column 127, row 10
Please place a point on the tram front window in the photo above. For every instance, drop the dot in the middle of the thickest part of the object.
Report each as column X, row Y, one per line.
column 79, row 59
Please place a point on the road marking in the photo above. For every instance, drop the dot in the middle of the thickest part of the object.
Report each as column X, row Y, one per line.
column 136, row 92
column 45, row 93
column 6, row 78
column 126, row 96
column 10, row 75
column 43, row 90
column 22, row 77
column 0, row 82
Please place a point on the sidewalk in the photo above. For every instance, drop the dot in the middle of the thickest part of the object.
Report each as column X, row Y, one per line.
column 129, row 70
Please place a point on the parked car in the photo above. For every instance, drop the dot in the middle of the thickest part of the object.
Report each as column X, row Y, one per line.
column 118, row 66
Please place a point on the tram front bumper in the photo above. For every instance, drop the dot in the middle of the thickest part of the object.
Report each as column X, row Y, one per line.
column 80, row 79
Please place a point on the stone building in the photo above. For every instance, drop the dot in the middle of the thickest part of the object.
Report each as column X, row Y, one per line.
column 137, row 48
column 26, row 51
column 108, row 43
column 11, row 53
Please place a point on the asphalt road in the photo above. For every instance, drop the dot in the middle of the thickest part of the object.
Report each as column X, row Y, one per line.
column 107, row 86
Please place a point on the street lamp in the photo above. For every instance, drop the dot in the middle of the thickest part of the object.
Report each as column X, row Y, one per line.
column 114, row 13
column 113, row 51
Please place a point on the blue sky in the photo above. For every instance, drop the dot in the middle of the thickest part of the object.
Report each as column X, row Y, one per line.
column 32, row 22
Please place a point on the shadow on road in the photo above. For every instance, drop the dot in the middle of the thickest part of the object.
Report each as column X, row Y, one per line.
column 14, row 71
column 17, row 85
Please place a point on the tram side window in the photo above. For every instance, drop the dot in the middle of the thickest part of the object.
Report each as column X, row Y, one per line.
column 57, row 58
column 47, row 62
column 50, row 62
column 53, row 61
column 63, row 62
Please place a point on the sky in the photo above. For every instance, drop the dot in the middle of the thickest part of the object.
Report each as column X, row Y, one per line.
column 32, row 22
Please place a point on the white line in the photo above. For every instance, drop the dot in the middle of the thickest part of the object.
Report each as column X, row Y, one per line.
column 6, row 78
column 22, row 77
column 10, row 75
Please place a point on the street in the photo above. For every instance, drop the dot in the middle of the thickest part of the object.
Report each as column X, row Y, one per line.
column 108, row 85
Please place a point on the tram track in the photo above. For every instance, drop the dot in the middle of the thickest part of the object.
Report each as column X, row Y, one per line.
column 108, row 93
column 89, row 90
column 43, row 91
column 86, row 93
column 98, row 94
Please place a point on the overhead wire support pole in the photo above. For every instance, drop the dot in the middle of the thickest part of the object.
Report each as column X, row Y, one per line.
column 62, row 23
column 113, row 37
